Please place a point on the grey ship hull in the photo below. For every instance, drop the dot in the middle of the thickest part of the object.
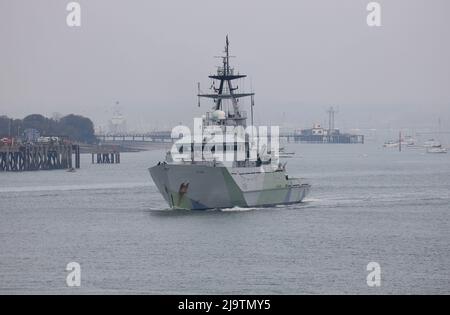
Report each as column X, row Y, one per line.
column 191, row 186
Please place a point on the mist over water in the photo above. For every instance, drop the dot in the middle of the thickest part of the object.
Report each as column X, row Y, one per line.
column 366, row 204
column 301, row 57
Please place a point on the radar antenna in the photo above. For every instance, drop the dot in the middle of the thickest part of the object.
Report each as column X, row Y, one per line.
column 225, row 75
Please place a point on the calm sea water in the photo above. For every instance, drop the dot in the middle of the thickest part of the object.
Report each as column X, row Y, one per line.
column 366, row 204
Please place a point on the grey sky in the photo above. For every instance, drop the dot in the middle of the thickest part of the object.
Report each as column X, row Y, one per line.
column 302, row 56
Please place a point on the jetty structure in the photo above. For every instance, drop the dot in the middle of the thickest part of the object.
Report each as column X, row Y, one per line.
column 316, row 134
column 319, row 134
column 105, row 155
column 18, row 157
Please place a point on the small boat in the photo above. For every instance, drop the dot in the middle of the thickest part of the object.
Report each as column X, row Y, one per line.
column 436, row 149
column 409, row 141
column 390, row 144
column 431, row 143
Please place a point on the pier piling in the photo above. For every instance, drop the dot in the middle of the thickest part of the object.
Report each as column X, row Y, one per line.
column 105, row 156
column 38, row 156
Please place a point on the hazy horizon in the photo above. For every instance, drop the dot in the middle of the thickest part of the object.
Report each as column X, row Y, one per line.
column 301, row 58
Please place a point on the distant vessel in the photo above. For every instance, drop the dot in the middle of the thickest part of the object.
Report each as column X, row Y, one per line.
column 409, row 141
column 206, row 184
column 390, row 144
column 431, row 143
column 437, row 148
column 434, row 146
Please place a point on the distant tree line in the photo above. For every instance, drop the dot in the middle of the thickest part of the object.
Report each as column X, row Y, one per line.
column 74, row 127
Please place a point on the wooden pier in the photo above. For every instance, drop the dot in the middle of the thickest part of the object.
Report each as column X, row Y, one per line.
column 106, row 156
column 33, row 157
column 154, row 136
column 335, row 138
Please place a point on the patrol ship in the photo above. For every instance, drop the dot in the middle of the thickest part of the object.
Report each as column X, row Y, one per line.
column 199, row 180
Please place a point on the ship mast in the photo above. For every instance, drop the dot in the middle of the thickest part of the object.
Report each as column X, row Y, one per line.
column 226, row 91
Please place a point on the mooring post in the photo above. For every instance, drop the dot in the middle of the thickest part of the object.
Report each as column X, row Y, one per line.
column 77, row 148
column 69, row 158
